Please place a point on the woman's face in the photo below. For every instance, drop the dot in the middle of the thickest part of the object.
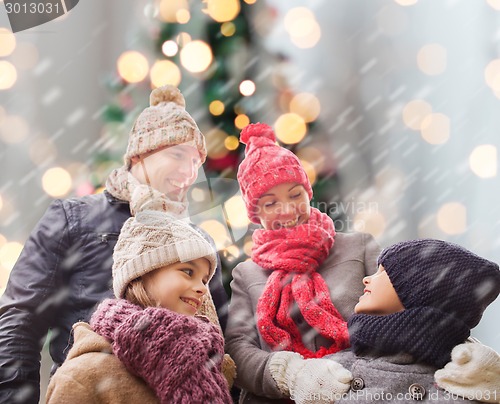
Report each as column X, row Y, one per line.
column 379, row 296
column 285, row 205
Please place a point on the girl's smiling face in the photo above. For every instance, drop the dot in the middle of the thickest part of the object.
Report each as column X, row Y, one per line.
column 379, row 296
column 285, row 205
column 179, row 287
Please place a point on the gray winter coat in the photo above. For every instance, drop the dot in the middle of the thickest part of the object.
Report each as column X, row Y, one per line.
column 396, row 379
column 352, row 257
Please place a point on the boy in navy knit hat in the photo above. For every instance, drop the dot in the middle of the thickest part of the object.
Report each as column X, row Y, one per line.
column 422, row 302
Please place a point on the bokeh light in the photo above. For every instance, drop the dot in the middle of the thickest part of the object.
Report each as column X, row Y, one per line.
column 432, row 59
column 313, row 156
column 183, row 16
column 306, row 105
column 196, row 56
column 492, row 75
column 42, row 151
column 7, row 42
column 247, row 246
column 8, row 75
column 56, row 182
column 228, row 29
column 25, row 56
column 415, row 112
column 435, row 128
column 231, row 143
column 223, row 10
column 301, row 25
column 406, row 2
column 216, row 108
column 370, row 221
column 169, row 48
column 13, row 129
column 250, row 1
column 233, row 207
column 483, row 161
column 172, row 10
column 183, row 39
column 310, row 171
column 132, row 66
column 452, row 218
column 495, row 4
column 247, row 88
column 215, row 143
column 9, row 253
column 241, row 121
column 165, row 72
column 218, row 232
column 290, row 128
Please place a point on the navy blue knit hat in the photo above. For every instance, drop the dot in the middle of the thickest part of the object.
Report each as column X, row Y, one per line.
column 442, row 275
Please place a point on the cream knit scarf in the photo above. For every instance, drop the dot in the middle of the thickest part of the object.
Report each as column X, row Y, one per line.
column 124, row 186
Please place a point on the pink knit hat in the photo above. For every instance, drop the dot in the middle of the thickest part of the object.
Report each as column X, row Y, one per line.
column 266, row 165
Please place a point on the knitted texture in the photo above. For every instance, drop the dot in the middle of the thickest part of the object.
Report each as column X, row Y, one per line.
column 266, row 165
column 178, row 356
column 443, row 275
column 474, row 371
column 124, row 186
column 444, row 289
column 152, row 240
column 111, row 313
column 293, row 255
column 164, row 123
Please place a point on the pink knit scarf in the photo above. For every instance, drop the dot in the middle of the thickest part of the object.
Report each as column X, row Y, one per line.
column 294, row 255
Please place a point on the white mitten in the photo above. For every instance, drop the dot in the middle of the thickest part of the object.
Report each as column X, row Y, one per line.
column 473, row 373
column 309, row 380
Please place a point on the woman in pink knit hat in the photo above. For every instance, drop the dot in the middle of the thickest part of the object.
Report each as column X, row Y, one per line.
column 290, row 302
column 160, row 340
column 303, row 281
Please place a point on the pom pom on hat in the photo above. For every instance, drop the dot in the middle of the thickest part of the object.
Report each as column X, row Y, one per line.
column 166, row 94
column 164, row 123
column 257, row 133
column 265, row 166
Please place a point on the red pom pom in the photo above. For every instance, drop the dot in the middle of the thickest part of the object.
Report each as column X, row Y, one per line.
column 255, row 131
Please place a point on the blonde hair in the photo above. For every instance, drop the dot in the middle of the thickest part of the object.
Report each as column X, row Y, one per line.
column 136, row 293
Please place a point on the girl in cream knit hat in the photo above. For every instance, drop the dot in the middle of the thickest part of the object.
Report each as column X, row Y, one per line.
column 151, row 344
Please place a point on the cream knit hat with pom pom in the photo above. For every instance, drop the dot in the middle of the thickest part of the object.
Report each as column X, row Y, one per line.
column 165, row 123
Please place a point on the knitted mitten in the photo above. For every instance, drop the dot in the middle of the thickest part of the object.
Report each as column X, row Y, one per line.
column 178, row 356
column 110, row 314
column 473, row 373
column 308, row 380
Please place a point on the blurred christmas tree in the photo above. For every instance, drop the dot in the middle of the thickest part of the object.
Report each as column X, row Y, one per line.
column 209, row 49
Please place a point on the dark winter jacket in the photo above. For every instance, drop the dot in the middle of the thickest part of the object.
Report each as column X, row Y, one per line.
column 63, row 272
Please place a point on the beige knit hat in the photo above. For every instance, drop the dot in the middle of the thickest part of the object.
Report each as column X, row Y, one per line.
column 165, row 123
column 151, row 240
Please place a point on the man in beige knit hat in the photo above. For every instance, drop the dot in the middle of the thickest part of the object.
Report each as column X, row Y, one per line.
column 64, row 269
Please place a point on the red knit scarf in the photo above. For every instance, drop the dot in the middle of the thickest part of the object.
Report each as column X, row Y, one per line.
column 294, row 255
